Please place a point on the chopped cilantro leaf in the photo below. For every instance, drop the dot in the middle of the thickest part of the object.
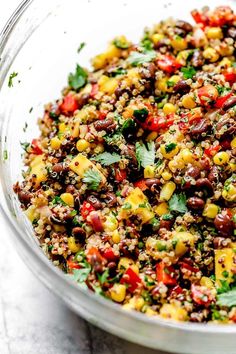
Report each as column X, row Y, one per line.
column 169, row 147
column 177, row 203
column 81, row 46
column 141, row 114
column 106, row 158
column 25, row 146
column 58, row 200
column 227, row 299
column 137, row 58
column 11, row 77
column 188, row 72
column 145, row 155
column 92, row 178
column 78, row 79
column 5, row 155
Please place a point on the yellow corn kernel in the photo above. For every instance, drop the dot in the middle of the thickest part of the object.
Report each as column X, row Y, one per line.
column 214, row 33
column 118, row 292
column 99, row 148
column 221, row 158
column 226, row 50
column 157, row 37
column 149, row 171
column 207, row 282
column 186, row 155
column 62, row 127
column 162, row 84
column 139, row 303
column 161, row 209
column 173, row 312
column 82, row 145
column 174, row 78
column 169, row 150
column 150, row 312
column 166, row 175
column 55, row 143
column 167, row 191
column 68, row 199
column 188, row 102
column 233, row 143
column 31, row 213
column 111, row 223
column 152, row 136
column 210, row 211
column 72, row 245
column 178, row 43
column 115, row 236
column 211, row 54
column 232, row 166
column 225, row 62
column 229, row 193
column 169, row 108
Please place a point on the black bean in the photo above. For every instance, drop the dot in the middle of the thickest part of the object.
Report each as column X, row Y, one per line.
column 77, row 202
column 201, row 127
column 70, row 189
column 229, row 103
column 149, row 71
column 181, row 87
column 24, row 197
column 185, row 26
column 166, row 224
column 205, row 184
column 110, row 199
column 94, row 201
column 214, row 174
column 224, row 225
column 193, row 172
column 225, row 127
column 195, row 203
column 79, row 233
column 231, row 32
column 151, row 182
column 83, row 99
column 106, row 124
column 197, row 59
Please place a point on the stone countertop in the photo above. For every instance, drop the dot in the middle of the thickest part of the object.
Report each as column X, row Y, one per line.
column 32, row 319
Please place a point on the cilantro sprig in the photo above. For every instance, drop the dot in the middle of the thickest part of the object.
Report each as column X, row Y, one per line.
column 92, row 178
column 106, row 158
column 145, row 154
column 137, row 58
column 78, row 79
column 177, row 203
column 188, row 72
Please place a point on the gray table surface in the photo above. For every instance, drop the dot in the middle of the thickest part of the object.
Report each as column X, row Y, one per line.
column 32, row 319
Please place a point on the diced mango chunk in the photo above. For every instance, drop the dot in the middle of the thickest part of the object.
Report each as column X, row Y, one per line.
column 137, row 204
column 173, row 312
column 224, row 264
column 183, row 241
column 81, row 163
column 38, row 172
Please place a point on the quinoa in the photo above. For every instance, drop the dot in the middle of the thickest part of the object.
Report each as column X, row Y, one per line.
column 131, row 186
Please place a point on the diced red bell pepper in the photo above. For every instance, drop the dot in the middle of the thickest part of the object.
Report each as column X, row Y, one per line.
column 233, row 318
column 141, row 184
column 71, row 264
column 131, row 279
column 201, row 295
column 230, row 76
column 36, row 149
column 110, row 255
column 168, row 63
column 120, row 175
column 177, row 290
column 221, row 16
column 211, row 151
column 187, row 266
column 222, row 99
column 199, row 17
column 94, row 90
column 102, row 115
column 207, row 94
column 68, row 105
column 155, row 124
column 164, row 274
column 86, row 209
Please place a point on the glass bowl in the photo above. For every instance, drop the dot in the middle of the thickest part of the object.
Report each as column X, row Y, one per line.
column 40, row 43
